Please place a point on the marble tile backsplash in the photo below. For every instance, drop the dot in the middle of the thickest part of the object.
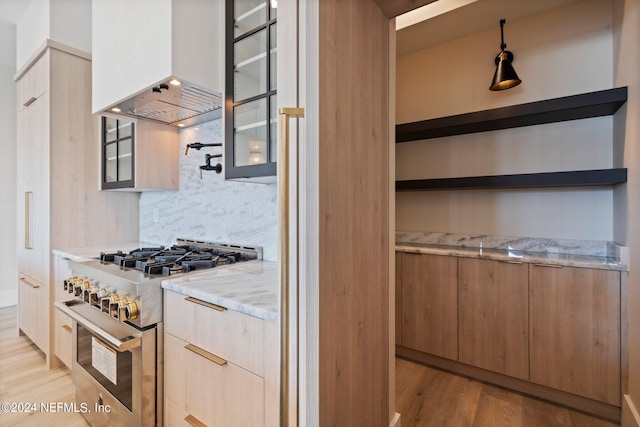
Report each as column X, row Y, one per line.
column 210, row 208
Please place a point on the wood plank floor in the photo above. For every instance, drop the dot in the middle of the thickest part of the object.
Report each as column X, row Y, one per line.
column 24, row 378
column 430, row 397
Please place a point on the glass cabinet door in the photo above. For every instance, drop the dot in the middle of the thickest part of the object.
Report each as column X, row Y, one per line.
column 250, row 115
column 117, row 153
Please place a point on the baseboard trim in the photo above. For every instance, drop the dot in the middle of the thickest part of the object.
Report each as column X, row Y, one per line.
column 8, row 298
column 630, row 414
column 599, row 409
column 395, row 422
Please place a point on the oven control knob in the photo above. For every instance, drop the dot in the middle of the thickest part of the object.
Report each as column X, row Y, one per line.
column 129, row 311
column 80, row 286
column 107, row 302
column 95, row 297
column 69, row 282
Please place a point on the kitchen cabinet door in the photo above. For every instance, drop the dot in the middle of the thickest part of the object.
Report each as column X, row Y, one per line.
column 251, row 88
column 33, row 191
column 32, row 310
column 494, row 316
column 138, row 155
column 575, row 331
column 430, row 304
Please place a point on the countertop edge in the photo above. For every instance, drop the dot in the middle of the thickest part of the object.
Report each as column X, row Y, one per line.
column 595, row 262
column 203, row 287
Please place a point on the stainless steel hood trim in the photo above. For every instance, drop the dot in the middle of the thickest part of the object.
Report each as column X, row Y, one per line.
column 186, row 104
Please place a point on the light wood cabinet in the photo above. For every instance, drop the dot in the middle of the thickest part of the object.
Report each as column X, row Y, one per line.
column 59, row 201
column 32, row 318
column 430, row 304
column 494, row 315
column 138, row 155
column 575, row 331
column 224, row 374
column 62, row 325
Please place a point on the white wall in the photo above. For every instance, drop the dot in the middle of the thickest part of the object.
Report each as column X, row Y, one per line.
column 560, row 52
column 65, row 21
column 8, row 260
column 210, row 208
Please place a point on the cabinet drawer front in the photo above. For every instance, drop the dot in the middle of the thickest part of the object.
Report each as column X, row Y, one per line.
column 63, row 338
column 213, row 394
column 174, row 415
column 233, row 336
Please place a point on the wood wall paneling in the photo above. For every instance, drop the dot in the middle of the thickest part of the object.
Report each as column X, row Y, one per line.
column 354, row 214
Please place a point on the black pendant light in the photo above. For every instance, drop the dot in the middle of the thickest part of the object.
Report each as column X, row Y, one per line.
column 505, row 76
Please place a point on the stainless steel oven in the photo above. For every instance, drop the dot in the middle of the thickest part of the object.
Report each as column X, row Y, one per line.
column 114, row 368
column 116, row 306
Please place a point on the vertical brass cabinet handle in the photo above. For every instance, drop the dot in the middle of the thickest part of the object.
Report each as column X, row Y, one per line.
column 28, row 283
column 194, row 421
column 67, row 328
column 206, row 304
column 204, row 353
column 27, row 219
column 283, row 252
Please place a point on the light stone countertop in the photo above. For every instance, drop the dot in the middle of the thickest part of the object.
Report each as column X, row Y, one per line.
column 93, row 252
column 248, row 287
column 568, row 260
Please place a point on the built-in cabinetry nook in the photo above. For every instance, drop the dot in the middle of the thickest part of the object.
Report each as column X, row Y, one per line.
column 547, row 329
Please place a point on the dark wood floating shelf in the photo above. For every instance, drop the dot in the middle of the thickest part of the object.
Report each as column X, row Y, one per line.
column 583, row 106
column 526, row 180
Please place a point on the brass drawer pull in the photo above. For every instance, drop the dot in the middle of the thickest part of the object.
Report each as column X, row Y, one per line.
column 27, row 219
column 204, row 353
column 26, row 282
column 549, row 265
column 206, row 304
column 67, row 328
column 511, row 262
column 30, row 101
column 194, row 421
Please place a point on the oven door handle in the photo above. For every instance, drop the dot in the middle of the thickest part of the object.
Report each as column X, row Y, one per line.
column 120, row 344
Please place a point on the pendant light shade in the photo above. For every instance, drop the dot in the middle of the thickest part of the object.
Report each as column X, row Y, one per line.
column 505, row 76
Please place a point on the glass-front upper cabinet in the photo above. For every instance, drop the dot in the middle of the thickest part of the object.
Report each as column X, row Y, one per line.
column 117, row 153
column 250, row 80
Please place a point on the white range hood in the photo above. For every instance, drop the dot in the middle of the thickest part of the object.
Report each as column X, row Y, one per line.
column 139, row 47
column 182, row 104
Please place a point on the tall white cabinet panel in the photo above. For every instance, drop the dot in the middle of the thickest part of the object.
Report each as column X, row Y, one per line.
column 60, row 204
